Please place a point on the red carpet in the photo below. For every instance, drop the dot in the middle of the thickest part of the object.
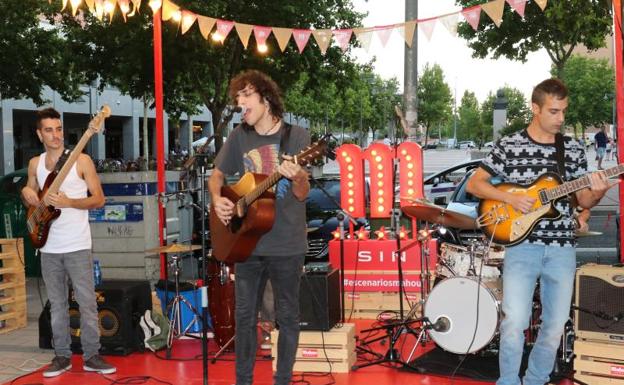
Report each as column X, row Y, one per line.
column 185, row 368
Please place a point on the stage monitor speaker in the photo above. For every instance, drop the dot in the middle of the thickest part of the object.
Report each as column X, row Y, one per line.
column 599, row 289
column 121, row 303
column 319, row 301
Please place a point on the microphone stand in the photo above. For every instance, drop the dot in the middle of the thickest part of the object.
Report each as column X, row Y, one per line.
column 341, row 216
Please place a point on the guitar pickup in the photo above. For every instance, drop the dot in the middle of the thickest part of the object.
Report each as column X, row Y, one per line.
column 543, row 197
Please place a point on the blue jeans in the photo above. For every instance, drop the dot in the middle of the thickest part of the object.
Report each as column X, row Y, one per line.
column 78, row 266
column 524, row 265
column 250, row 279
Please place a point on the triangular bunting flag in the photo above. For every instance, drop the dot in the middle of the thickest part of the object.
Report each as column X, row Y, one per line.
column 282, row 35
column 541, row 3
column 427, row 27
column 137, row 4
column 342, row 37
column 323, row 38
column 518, row 6
column 168, row 9
column 383, row 33
column 244, row 32
column 364, row 36
column 261, row 34
column 91, row 5
column 450, row 22
column 64, row 5
column 301, row 37
column 407, row 31
column 472, row 16
column 205, row 25
column 223, row 28
column 494, row 9
column 188, row 19
column 124, row 7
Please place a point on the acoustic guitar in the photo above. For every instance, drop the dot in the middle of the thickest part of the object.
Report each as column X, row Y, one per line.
column 39, row 218
column 506, row 226
column 254, row 211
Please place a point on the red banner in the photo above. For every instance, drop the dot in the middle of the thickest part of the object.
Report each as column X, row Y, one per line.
column 380, row 255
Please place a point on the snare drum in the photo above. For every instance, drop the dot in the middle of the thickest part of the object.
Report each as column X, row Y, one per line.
column 456, row 261
column 463, row 326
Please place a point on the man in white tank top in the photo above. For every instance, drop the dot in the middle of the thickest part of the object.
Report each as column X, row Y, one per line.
column 67, row 252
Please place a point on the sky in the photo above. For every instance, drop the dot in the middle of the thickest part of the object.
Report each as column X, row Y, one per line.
column 462, row 72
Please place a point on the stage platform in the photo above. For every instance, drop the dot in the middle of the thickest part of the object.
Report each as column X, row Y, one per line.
column 185, row 367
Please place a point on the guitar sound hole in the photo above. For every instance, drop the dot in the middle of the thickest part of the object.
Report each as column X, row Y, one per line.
column 236, row 224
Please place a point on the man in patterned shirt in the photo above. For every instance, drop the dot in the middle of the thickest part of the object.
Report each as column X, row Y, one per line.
column 548, row 254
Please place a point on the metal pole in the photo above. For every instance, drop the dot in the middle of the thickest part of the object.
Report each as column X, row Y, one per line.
column 455, row 116
column 160, row 138
column 619, row 92
column 410, row 75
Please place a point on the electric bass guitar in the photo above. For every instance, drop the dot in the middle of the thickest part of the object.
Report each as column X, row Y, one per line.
column 39, row 218
column 506, row 226
column 254, row 210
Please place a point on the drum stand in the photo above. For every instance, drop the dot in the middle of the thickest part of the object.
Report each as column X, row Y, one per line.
column 222, row 350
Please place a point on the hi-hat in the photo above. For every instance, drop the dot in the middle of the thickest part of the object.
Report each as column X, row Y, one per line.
column 173, row 248
column 426, row 211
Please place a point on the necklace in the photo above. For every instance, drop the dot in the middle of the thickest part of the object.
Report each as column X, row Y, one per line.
column 270, row 130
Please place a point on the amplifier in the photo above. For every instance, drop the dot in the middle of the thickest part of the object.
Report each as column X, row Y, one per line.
column 600, row 290
column 319, row 301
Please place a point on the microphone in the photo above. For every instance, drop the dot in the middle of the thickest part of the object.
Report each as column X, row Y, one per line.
column 240, row 109
column 442, row 324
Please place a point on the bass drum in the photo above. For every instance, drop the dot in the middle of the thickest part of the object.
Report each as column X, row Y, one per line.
column 221, row 301
column 466, row 313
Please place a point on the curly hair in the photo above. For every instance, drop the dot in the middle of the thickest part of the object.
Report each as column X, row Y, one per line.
column 46, row 113
column 554, row 87
column 263, row 85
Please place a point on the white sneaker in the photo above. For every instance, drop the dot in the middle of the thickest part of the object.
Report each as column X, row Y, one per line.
column 147, row 331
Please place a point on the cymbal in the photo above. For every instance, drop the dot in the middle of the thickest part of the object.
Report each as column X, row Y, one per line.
column 588, row 233
column 174, row 248
column 427, row 211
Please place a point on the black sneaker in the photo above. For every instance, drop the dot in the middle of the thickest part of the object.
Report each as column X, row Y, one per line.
column 97, row 364
column 59, row 365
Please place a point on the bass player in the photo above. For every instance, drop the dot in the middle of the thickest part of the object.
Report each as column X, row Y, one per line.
column 548, row 253
column 255, row 146
column 67, row 252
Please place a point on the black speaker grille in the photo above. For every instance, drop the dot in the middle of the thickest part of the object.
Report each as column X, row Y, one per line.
column 597, row 295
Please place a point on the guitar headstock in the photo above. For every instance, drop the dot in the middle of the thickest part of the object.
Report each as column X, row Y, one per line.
column 313, row 151
column 96, row 124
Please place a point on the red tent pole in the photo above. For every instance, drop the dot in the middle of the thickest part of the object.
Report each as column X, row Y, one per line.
column 619, row 94
column 160, row 137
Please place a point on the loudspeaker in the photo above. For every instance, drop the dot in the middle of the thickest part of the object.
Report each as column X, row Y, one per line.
column 319, row 301
column 121, row 303
column 599, row 289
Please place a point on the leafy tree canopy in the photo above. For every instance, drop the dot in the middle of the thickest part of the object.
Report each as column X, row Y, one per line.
column 35, row 55
column 563, row 25
column 197, row 71
column 434, row 98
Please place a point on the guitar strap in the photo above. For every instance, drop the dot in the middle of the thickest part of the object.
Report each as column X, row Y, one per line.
column 284, row 139
column 62, row 159
column 560, row 153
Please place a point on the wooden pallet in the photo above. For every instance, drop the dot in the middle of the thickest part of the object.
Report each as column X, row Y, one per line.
column 13, row 285
column 367, row 305
column 323, row 352
column 599, row 363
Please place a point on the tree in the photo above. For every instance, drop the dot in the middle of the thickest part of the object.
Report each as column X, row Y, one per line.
column 590, row 84
column 470, row 122
column 518, row 112
column 559, row 29
column 34, row 56
column 434, row 98
column 197, row 71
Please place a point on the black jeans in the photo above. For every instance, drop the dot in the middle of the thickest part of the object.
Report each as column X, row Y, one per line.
column 250, row 279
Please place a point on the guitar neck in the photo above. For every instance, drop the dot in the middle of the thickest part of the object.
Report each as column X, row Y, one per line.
column 56, row 184
column 580, row 183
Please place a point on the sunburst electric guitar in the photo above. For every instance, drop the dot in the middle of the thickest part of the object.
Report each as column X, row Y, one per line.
column 254, row 210
column 39, row 218
column 506, row 226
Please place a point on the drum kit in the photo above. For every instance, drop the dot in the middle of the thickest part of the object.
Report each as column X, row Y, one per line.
column 462, row 312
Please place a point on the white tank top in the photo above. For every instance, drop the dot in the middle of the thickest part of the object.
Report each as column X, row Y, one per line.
column 70, row 231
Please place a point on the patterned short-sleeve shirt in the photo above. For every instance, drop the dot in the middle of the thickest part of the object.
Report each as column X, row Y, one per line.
column 517, row 158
